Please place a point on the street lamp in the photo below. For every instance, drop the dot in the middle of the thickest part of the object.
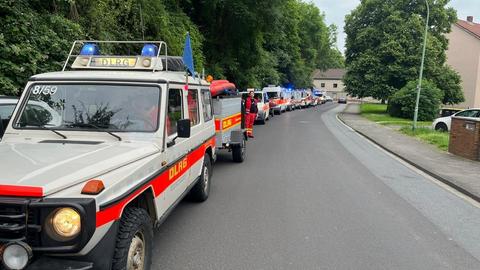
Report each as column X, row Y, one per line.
column 419, row 87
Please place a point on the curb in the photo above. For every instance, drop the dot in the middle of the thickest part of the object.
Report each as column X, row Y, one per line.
column 432, row 174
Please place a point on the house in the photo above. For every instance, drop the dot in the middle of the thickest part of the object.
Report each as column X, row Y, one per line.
column 463, row 55
column 330, row 81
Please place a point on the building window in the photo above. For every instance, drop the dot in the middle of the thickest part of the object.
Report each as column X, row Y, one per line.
column 322, row 85
column 335, row 85
column 174, row 110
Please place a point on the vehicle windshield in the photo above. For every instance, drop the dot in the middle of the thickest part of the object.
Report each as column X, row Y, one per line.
column 119, row 108
column 273, row 95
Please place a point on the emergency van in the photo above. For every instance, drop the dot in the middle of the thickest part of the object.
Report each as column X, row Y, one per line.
column 97, row 155
column 275, row 94
column 263, row 105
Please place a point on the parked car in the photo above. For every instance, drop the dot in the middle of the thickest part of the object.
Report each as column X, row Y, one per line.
column 328, row 99
column 7, row 105
column 444, row 123
column 444, row 112
column 342, row 100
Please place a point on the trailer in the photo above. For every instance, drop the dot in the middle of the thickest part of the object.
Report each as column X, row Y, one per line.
column 229, row 112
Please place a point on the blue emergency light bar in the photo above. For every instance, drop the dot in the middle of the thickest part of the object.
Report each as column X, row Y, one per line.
column 90, row 49
column 149, row 58
column 150, row 50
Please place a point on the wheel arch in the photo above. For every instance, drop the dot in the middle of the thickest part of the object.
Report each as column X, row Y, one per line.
column 145, row 200
column 209, row 151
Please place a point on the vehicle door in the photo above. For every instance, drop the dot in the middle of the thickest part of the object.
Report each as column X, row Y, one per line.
column 199, row 131
column 177, row 149
column 266, row 104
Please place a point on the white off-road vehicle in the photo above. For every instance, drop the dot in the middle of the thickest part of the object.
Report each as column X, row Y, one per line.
column 96, row 156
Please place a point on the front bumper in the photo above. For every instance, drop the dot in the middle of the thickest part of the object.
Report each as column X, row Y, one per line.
column 59, row 264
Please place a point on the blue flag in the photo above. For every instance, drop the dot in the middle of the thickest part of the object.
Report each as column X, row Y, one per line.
column 188, row 55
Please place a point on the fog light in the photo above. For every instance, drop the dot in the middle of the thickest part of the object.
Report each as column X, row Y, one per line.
column 16, row 255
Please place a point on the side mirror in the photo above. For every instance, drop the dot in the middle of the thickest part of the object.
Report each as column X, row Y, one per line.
column 183, row 128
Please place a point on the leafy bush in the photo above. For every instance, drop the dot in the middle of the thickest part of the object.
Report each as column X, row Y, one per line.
column 402, row 103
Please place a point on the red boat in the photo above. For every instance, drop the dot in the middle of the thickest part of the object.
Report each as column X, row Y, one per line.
column 219, row 87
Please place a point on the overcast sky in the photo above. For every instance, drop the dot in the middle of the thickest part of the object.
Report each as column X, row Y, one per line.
column 335, row 11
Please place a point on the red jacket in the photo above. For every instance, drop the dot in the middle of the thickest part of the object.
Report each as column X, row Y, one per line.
column 248, row 104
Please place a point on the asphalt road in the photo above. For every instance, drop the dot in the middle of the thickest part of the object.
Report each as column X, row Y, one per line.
column 313, row 194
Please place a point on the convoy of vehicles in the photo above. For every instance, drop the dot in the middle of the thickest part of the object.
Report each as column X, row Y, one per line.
column 127, row 137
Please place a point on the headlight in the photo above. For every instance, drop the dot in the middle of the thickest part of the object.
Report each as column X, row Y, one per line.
column 66, row 222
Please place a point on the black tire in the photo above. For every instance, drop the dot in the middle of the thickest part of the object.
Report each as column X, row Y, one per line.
column 238, row 153
column 135, row 232
column 441, row 127
column 263, row 121
column 201, row 190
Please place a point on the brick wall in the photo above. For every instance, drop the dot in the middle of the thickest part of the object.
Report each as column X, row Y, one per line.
column 465, row 138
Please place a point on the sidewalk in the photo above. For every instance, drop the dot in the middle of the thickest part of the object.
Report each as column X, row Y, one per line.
column 457, row 172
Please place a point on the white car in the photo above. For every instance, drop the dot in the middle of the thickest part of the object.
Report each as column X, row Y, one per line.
column 444, row 123
column 7, row 105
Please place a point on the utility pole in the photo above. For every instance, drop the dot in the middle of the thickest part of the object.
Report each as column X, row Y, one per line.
column 419, row 87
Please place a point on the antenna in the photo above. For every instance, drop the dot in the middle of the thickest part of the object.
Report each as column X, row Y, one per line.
column 141, row 22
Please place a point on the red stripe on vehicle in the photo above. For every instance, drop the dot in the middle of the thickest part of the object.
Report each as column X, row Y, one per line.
column 21, row 191
column 159, row 183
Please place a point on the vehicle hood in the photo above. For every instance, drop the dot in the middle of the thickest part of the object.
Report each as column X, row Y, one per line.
column 56, row 166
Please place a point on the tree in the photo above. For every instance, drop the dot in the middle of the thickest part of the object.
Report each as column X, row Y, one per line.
column 251, row 42
column 402, row 103
column 31, row 42
column 384, row 40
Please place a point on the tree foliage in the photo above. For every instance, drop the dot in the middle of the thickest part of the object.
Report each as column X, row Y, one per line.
column 253, row 43
column 402, row 103
column 384, row 46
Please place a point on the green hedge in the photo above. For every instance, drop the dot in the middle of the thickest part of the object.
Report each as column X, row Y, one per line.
column 402, row 103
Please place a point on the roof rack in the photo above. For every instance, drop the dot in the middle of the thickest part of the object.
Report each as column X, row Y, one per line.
column 78, row 44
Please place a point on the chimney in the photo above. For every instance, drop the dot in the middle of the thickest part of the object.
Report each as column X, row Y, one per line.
column 470, row 19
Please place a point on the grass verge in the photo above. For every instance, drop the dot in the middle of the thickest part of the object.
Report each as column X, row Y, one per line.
column 439, row 139
column 378, row 114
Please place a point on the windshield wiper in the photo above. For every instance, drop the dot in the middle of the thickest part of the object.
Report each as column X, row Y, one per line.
column 82, row 125
column 42, row 127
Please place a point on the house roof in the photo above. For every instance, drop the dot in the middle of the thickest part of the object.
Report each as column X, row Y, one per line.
column 336, row 73
column 470, row 27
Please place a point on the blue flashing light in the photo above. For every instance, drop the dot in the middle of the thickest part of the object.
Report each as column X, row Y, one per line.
column 90, row 49
column 150, row 50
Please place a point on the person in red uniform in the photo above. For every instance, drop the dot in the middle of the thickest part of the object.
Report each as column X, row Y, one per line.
column 251, row 111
